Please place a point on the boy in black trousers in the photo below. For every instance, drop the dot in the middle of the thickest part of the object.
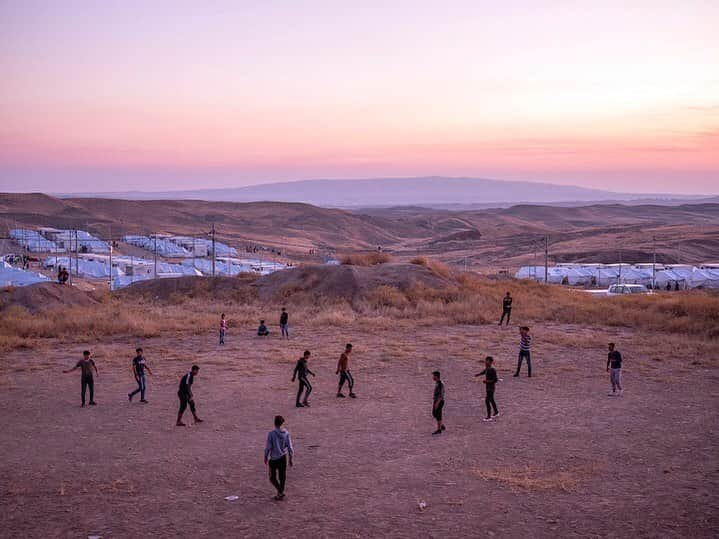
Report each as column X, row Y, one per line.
column 301, row 371
column 490, row 382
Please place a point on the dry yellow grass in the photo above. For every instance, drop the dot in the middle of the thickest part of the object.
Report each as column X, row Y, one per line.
column 365, row 259
column 527, row 478
column 438, row 268
column 472, row 300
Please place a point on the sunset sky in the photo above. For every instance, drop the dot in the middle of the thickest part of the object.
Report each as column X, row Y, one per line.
column 158, row 95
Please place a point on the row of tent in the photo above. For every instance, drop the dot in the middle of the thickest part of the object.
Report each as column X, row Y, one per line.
column 52, row 240
column 180, row 246
column 126, row 270
column 684, row 277
column 33, row 241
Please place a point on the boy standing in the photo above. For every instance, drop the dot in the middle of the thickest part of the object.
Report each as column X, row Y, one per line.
column 614, row 367
column 525, row 345
column 86, row 366
column 284, row 319
column 186, row 397
column 438, row 401
column 490, row 382
column 138, row 369
column 506, row 308
column 343, row 369
column 301, row 371
column 277, row 450
column 223, row 328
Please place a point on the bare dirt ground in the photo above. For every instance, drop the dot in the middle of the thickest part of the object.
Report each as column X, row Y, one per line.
column 563, row 459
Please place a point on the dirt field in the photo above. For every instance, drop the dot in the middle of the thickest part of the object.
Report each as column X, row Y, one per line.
column 562, row 460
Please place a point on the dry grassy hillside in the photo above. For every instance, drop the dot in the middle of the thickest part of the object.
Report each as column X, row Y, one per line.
column 382, row 295
column 494, row 238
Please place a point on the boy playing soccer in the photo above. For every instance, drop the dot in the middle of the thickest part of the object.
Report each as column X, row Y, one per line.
column 284, row 321
column 278, row 450
column 525, row 346
column 301, row 372
column 490, row 382
column 438, row 402
column 343, row 369
column 223, row 328
column 614, row 362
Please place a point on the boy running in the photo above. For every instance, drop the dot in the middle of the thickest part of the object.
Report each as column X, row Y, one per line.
column 223, row 328
column 506, row 308
column 277, row 450
column 86, row 366
column 525, row 345
column 301, row 371
column 438, row 401
column 614, row 362
column 284, row 319
column 490, row 382
column 138, row 370
column 343, row 369
column 186, row 396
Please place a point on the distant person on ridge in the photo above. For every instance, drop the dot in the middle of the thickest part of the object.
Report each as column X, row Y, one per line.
column 525, row 345
column 278, row 450
column 438, row 401
column 343, row 369
column 284, row 320
column 223, row 328
column 301, row 371
column 506, row 308
column 86, row 366
column 262, row 331
column 490, row 382
column 186, row 397
column 614, row 368
column 138, row 370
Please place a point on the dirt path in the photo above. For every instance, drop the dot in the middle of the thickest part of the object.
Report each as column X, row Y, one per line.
column 562, row 460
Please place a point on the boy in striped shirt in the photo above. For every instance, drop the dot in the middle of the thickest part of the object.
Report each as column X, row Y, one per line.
column 525, row 345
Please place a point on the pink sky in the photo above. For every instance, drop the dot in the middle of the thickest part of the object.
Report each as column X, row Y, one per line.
column 108, row 96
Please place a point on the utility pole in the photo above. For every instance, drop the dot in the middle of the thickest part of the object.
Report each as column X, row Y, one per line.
column 546, row 259
column 155, row 255
column 77, row 255
column 620, row 265
column 213, row 248
column 111, row 265
column 654, row 262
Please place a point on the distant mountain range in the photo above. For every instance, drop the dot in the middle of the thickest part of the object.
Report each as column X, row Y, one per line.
column 438, row 192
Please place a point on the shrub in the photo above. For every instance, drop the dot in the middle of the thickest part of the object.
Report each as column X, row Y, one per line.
column 365, row 259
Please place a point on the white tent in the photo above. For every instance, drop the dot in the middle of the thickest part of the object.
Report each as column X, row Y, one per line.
column 636, row 276
column 165, row 247
column 34, row 241
column 580, row 276
column 90, row 269
column 10, row 276
column 672, row 277
column 704, row 278
column 554, row 275
column 607, row 276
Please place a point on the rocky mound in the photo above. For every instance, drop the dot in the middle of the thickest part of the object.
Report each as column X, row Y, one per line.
column 345, row 282
column 45, row 296
column 316, row 283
